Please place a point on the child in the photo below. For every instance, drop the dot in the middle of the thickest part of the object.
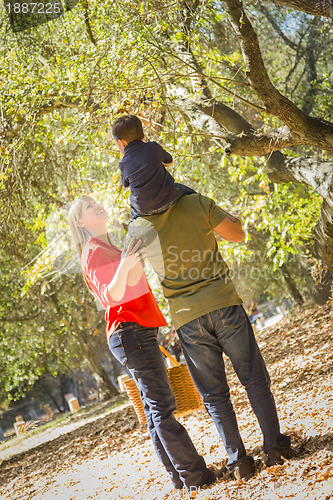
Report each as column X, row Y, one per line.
column 153, row 189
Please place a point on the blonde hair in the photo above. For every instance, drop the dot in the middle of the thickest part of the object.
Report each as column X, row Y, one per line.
column 79, row 234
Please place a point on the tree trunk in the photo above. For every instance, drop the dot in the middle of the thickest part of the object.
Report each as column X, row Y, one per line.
column 103, row 380
column 318, row 284
column 322, row 8
column 324, row 235
column 294, row 292
column 50, row 395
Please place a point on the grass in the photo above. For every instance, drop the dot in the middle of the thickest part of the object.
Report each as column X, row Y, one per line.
column 93, row 410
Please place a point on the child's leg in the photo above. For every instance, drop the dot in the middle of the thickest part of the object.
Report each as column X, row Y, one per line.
column 181, row 190
column 134, row 215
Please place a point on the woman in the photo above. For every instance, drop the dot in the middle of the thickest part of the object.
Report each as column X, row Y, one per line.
column 133, row 318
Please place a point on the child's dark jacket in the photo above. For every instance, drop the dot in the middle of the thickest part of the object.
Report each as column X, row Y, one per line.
column 143, row 171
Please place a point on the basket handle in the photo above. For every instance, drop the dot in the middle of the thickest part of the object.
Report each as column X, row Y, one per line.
column 172, row 359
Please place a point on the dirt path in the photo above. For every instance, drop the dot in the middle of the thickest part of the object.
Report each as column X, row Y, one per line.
column 19, row 445
column 113, row 457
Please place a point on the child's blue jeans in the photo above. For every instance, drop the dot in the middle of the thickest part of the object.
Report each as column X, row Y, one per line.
column 181, row 190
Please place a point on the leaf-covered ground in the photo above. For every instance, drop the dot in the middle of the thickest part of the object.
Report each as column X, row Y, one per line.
column 113, row 457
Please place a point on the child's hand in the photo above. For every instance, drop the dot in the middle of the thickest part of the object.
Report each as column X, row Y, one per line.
column 132, row 255
column 167, row 164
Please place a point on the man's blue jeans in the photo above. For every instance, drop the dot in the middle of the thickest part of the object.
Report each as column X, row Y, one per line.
column 204, row 340
column 136, row 348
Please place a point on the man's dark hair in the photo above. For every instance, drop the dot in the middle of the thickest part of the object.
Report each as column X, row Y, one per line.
column 128, row 128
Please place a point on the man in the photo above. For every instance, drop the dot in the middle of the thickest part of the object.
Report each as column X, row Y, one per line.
column 210, row 320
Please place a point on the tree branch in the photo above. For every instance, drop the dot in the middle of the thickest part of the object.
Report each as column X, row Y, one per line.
column 322, row 8
column 276, row 27
column 225, row 116
column 173, row 52
column 312, row 131
column 312, row 171
column 247, row 143
column 260, row 144
column 15, row 319
column 200, row 120
column 87, row 22
column 67, row 102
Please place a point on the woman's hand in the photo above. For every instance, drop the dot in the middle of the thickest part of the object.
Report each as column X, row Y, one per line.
column 132, row 255
column 128, row 272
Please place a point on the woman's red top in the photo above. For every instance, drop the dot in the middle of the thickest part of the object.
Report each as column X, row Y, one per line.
column 100, row 262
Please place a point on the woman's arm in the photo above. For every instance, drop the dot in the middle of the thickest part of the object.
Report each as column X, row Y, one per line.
column 135, row 274
column 128, row 272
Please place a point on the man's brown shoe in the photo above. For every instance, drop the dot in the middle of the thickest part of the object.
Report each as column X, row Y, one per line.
column 216, row 474
column 276, row 455
column 244, row 469
column 210, row 477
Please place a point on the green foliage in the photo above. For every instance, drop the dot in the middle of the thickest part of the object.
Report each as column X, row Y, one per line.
column 59, row 93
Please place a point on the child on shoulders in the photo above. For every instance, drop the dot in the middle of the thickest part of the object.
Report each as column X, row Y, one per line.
column 144, row 169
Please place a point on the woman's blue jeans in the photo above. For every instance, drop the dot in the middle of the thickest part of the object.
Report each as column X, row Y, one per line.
column 136, row 348
column 204, row 340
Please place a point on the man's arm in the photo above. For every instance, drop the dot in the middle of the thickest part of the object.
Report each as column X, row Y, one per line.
column 230, row 229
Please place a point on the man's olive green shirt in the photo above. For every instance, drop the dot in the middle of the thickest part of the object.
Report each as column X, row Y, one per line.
column 182, row 249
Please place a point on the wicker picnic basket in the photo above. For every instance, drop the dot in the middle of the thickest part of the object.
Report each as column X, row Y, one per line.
column 187, row 397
